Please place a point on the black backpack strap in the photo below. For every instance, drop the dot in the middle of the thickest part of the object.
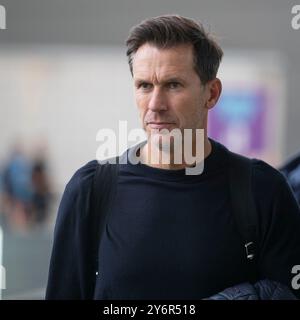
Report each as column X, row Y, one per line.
column 243, row 205
column 103, row 192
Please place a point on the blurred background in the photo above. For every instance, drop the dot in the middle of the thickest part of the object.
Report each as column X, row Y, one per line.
column 64, row 76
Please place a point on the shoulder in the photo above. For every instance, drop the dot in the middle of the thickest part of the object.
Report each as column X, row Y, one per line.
column 265, row 175
column 82, row 178
column 271, row 190
column 75, row 198
column 269, row 186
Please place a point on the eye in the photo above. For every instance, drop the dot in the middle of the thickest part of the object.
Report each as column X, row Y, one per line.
column 174, row 85
column 144, row 86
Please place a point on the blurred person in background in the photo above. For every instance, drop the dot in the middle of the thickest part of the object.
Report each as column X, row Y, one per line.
column 17, row 190
column 170, row 235
column 42, row 192
column 26, row 190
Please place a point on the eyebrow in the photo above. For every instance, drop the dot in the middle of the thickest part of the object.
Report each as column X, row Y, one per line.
column 168, row 80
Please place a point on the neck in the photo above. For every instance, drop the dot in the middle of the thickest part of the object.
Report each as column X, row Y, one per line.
column 157, row 162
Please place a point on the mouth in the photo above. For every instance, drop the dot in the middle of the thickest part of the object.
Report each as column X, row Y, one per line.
column 160, row 125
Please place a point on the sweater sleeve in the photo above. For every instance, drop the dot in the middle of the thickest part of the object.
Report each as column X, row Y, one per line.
column 280, row 230
column 70, row 264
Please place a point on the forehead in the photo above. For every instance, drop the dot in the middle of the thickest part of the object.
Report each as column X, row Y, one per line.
column 177, row 60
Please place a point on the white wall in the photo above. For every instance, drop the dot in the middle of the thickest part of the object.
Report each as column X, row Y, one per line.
column 65, row 95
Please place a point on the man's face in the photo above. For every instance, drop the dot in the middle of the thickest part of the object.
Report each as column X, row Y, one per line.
column 168, row 91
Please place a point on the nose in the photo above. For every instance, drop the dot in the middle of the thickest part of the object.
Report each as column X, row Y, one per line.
column 157, row 100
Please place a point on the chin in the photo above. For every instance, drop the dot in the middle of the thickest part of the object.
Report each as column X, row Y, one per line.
column 163, row 140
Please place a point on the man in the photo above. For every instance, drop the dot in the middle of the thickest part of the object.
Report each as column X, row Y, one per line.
column 170, row 235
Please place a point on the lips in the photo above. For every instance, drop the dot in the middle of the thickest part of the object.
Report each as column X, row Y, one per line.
column 160, row 125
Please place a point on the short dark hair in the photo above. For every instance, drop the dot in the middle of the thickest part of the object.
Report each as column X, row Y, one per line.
column 170, row 30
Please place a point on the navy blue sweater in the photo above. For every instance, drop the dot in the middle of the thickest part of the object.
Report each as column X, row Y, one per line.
column 170, row 235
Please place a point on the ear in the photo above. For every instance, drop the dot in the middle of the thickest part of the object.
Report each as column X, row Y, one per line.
column 214, row 89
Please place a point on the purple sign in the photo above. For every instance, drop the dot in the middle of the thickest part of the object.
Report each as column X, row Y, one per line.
column 239, row 121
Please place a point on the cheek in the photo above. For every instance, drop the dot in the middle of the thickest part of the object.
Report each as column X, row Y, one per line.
column 141, row 101
column 141, row 104
column 184, row 107
column 188, row 110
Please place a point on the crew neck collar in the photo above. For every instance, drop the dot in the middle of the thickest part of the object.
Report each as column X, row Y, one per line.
column 213, row 162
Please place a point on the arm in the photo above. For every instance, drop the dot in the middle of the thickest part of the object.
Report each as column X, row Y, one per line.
column 71, row 271
column 280, row 242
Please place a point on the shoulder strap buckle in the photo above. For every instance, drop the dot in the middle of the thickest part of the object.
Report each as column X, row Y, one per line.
column 250, row 250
